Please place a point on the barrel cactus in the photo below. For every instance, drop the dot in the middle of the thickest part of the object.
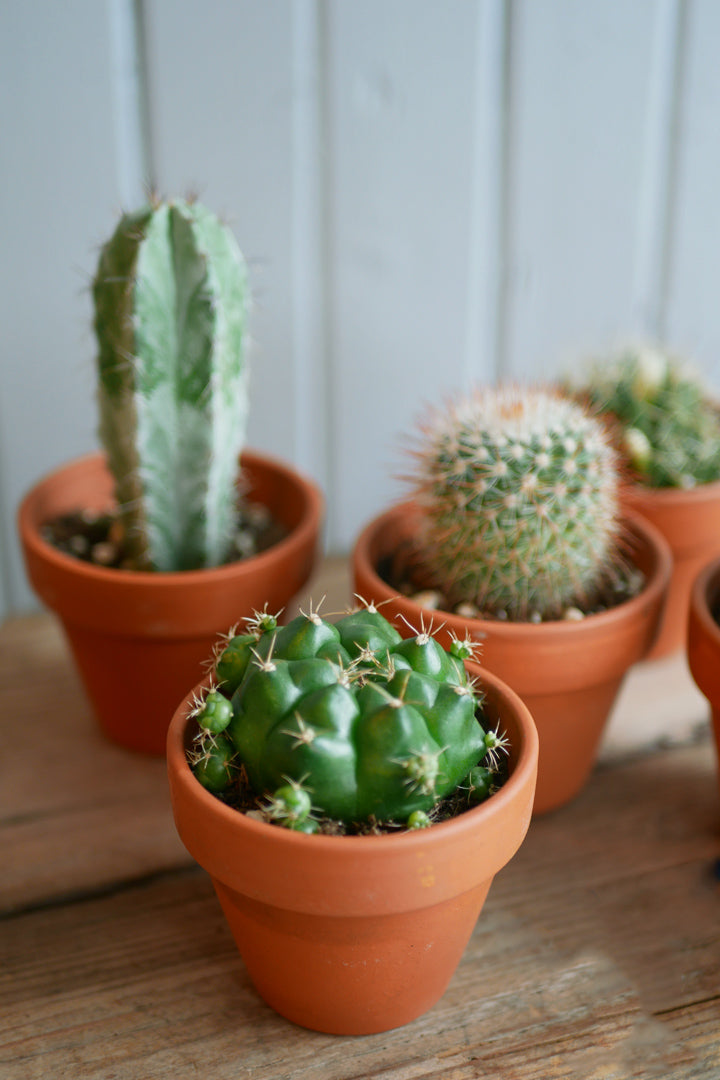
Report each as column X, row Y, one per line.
column 518, row 491
column 346, row 721
column 669, row 426
column 171, row 298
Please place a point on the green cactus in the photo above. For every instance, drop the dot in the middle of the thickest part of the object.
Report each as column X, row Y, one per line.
column 347, row 718
column 669, row 425
column 170, row 297
column 518, row 490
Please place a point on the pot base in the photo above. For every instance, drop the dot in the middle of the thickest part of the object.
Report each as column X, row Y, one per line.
column 351, row 975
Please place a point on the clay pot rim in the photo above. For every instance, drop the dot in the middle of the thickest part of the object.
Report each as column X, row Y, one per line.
column 633, row 523
column 671, row 496
column 283, row 840
column 308, row 524
column 699, row 599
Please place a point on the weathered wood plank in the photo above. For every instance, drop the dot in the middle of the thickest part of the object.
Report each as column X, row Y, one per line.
column 698, row 1025
column 147, row 982
column 76, row 812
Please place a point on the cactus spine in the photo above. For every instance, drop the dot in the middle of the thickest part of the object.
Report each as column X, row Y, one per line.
column 669, row 426
column 170, row 299
column 519, row 493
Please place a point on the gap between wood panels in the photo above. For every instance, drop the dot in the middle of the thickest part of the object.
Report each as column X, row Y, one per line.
column 309, row 257
column 485, row 345
column 656, row 195
column 130, row 101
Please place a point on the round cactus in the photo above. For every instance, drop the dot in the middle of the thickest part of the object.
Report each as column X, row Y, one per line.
column 171, row 303
column 669, row 425
column 519, row 498
column 346, row 718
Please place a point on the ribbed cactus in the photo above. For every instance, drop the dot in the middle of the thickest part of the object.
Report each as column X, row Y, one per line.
column 519, row 496
column 669, row 426
column 171, row 300
column 346, row 718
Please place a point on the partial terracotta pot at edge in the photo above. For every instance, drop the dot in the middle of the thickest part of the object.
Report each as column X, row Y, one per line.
column 703, row 647
column 140, row 639
column 690, row 522
column 567, row 673
column 356, row 934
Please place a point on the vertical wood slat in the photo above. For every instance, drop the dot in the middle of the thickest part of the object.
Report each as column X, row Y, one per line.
column 579, row 81
column 59, row 197
column 130, row 106
column 234, row 112
column 309, row 185
column 400, row 136
column 655, row 189
column 487, row 226
column 692, row 311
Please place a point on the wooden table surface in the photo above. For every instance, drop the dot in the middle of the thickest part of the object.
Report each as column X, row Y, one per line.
column 597, row 954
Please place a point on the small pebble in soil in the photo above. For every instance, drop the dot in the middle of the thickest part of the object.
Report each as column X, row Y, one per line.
column 96, row 537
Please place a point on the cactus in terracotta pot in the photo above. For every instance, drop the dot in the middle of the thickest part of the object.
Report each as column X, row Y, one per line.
column 346, row 721
column 170, row 298
column 518, row 490
column 669, row 425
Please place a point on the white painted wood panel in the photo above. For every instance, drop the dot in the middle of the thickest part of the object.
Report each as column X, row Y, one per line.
column 60, row 196
column 234, row 116
column 580, row 86
column 693, row 307
column 401, row 98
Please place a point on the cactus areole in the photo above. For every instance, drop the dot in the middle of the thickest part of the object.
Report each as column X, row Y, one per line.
column 346, row 721
column 519, row 496
column 170, row 298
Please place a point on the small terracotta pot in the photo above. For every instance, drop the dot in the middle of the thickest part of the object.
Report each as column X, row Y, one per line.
column 690, row 522
column 356, row 934
column 703, row 647
column 140, row 638
column 567, row 673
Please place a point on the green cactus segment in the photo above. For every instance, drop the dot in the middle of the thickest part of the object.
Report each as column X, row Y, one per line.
column 170, row 319
column 370, row 725
column 215, row 763
column 519, row 494
column 670, row 427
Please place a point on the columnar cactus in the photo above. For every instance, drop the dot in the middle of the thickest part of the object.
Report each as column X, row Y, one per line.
column 669, row 426
column 519, row 496
column 170, row 299
column 343, row 720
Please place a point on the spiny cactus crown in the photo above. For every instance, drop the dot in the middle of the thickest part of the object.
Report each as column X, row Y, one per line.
column 519, row 494
column 670, row 427
column 171, row 299
column 347, row 719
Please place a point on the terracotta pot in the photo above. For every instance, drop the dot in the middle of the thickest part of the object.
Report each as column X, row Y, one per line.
column 567, row 673
column 356, row 934
column 703, row 647
column 690, row 522
column 139, row 639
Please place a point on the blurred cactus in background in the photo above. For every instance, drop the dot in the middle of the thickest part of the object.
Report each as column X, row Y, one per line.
column 668, row 425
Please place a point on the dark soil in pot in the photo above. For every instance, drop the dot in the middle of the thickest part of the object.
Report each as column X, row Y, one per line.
column 97, row 538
